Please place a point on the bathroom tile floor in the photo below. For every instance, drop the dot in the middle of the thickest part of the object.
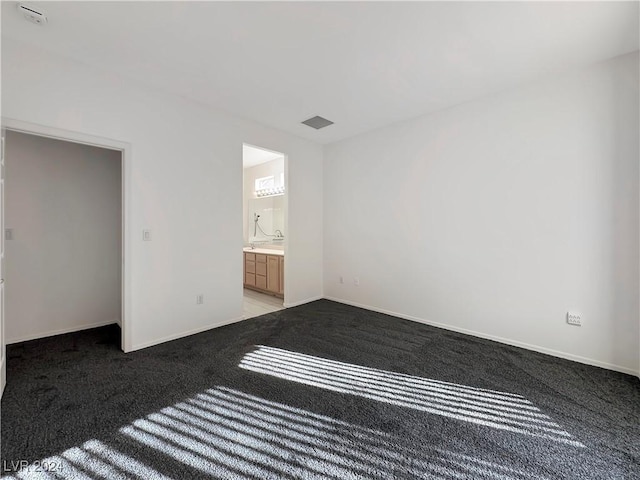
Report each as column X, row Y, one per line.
column 255, row 304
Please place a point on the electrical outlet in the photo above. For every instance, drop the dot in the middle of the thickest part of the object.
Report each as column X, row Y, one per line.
column 8, row 233
column 356, row 281
column 574, row 318
column 199, row 299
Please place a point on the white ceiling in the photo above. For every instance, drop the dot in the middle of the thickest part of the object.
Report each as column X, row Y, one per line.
column 360, row 64
column 252, row 156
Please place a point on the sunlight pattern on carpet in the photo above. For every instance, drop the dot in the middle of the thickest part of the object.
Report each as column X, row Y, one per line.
column 500, row 410
column 236, row 435
column 91, row 461
column 226, row 433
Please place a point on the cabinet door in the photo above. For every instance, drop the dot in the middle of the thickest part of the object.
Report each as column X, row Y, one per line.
column 261, row 269
column 273, row 274
column 281, row 275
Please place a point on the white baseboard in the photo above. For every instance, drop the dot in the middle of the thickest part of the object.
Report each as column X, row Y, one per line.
column 507, row 341
column 302, row 302
column 61, row 331
column 209, row 327
column 176, row 336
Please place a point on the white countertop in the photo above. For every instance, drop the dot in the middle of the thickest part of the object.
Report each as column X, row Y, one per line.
column 264, row 251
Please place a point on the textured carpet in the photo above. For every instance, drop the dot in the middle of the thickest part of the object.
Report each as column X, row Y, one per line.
column 322, row 390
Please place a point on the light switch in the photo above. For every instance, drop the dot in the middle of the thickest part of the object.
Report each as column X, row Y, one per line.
column 8, row 233
column 146, row 235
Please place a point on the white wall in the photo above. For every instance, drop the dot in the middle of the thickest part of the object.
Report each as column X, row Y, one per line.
column 250, row 174
column 186, row 177
column 63, row 206
column 499, row 215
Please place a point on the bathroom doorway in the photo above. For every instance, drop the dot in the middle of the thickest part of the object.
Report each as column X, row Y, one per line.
column 264, row 220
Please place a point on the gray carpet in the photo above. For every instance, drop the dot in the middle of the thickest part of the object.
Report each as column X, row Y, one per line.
column 322, row 390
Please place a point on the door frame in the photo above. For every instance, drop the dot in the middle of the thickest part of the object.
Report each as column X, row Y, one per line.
column 286, row 243
column 3, row 347
column 125, row 149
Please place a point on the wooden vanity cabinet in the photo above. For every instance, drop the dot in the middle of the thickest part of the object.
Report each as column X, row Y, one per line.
column 264, row 273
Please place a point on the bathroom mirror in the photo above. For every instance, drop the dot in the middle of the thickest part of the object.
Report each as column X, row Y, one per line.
column 269, row 213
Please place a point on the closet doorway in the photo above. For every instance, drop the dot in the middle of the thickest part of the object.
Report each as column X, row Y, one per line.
column 63, row 234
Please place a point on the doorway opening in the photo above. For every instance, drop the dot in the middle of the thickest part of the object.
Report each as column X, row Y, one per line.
column 63, row 237
column 74, row 224
column 264, row 220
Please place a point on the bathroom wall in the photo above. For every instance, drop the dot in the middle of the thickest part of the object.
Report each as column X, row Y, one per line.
column 250, row 174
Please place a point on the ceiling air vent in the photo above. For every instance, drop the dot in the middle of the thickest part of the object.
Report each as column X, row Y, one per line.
column 33, row 14
column 318, row 122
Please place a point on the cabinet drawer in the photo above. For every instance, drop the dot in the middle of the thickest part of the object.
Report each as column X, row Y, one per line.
column 261, row 268
column 250, row 257
column 261, row 282
column 261, row 258
column 250, row 279
column 250, row 267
